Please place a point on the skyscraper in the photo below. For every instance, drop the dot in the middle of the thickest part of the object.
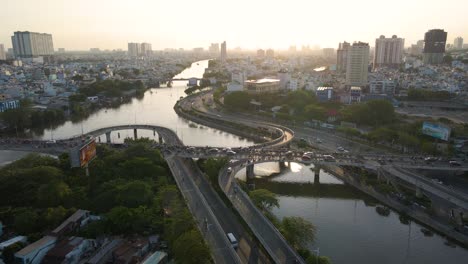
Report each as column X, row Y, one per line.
column 357, row 64
column 2, row 52
column 214, row 48
column 223, row 52
column 434, row 46
column 260, row 53
column 134, row 49
column 458, row 43
column 388, row 51
column 270, row 53
column 31, row 44
column 342, row 56
column 146, row 49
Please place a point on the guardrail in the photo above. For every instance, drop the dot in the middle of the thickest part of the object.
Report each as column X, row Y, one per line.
column 226, row 183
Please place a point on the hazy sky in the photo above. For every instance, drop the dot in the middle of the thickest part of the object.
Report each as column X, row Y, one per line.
column 110, row 24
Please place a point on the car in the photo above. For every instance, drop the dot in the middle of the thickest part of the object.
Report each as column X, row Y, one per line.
column 306, row 158
column 328, row 158
column 233, row 240
column 231, row 153
column 229, row 170
column 454, row 163
column 430, row 159
column 340, row 148
column 213, row 150
column 289, row 154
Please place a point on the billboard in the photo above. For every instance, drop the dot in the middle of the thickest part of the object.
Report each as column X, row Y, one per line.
column 82, row 156
column 436, row 130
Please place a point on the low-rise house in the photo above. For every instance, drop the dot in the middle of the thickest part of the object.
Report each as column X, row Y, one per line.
column 12, row 241
column 35, row 252
column 132, row 251
column 69, row 250
column 74, row 222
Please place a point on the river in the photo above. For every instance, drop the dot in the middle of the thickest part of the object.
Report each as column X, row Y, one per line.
column 349, row 230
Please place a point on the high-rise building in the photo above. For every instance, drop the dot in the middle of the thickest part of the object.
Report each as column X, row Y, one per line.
column 416, row 49
column 388, row 51
column 328, row 52
column 134, row 49
column 214, row 48
column 223, row 56
column 146, row 49
column 434, row 46
column 458, row 43
column 2, row 52
column 357, row 64
column 31, row 44
column 342, row 56
column 270, row 53
column 260, row 53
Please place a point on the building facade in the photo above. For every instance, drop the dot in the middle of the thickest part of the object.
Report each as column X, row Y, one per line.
column 214, row 48
column 458, row 43
column 434, row 46
column 134, row 49
column 270, row 53
column 2, row 52
column 146, row 49
column 31, row 44
column 388, row 51
column 223, row 56
column 262, row 86
column 260, row 53
column 387, row 87
column 342, row 56
column 324, row 93
column 357, row 64
column 355, row 95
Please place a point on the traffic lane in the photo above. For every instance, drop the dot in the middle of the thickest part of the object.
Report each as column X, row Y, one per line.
column 248, row 249
column 215, row 237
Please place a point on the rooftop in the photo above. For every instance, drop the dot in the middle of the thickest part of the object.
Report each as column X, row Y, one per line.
column 73, row 218
column 36, row 245
column 264, row 80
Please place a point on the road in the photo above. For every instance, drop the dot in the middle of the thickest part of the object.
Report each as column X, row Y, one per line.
column 249, row 250
column 208, row 224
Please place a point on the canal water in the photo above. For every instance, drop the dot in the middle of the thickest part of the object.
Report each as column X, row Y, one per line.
column 349, row 230
column 155, row 108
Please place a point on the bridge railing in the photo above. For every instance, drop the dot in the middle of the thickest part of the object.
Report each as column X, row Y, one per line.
column 226, row 183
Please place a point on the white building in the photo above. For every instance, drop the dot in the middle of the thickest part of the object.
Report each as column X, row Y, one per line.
column 237, row 82
column 223, row 56
column 270, row 53
column 284, row 77
column 357, row 64
column 146, row 49
column 35, row 252
column 2, row 52
column 214, row 48
column 31, row 44
column 383, row 87
column 388, row 51
column 134, row 49
column 458, row 43
column 293, row 84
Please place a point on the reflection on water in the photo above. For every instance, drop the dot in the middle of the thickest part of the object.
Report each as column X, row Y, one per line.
column 156, row 107
column 349, row 230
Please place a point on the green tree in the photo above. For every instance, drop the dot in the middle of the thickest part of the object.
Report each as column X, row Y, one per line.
column 297, row 231
column 237, row 100
column 53, row 193
column 190, row 248
column 26, row 222
column 134, row 194
column 264, row 199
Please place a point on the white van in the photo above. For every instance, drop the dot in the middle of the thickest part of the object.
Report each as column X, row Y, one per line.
column 233, row 240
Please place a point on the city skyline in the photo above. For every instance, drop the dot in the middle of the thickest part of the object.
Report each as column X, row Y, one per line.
column 179, row 24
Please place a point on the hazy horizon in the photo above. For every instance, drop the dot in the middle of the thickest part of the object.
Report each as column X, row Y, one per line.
column 247, row 24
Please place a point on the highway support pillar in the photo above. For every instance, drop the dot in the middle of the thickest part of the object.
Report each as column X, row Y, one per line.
column 108, row 137
column 135, row 134
column 160, row 139
column 317, row 174
column 249, row 170
column 418, row 192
